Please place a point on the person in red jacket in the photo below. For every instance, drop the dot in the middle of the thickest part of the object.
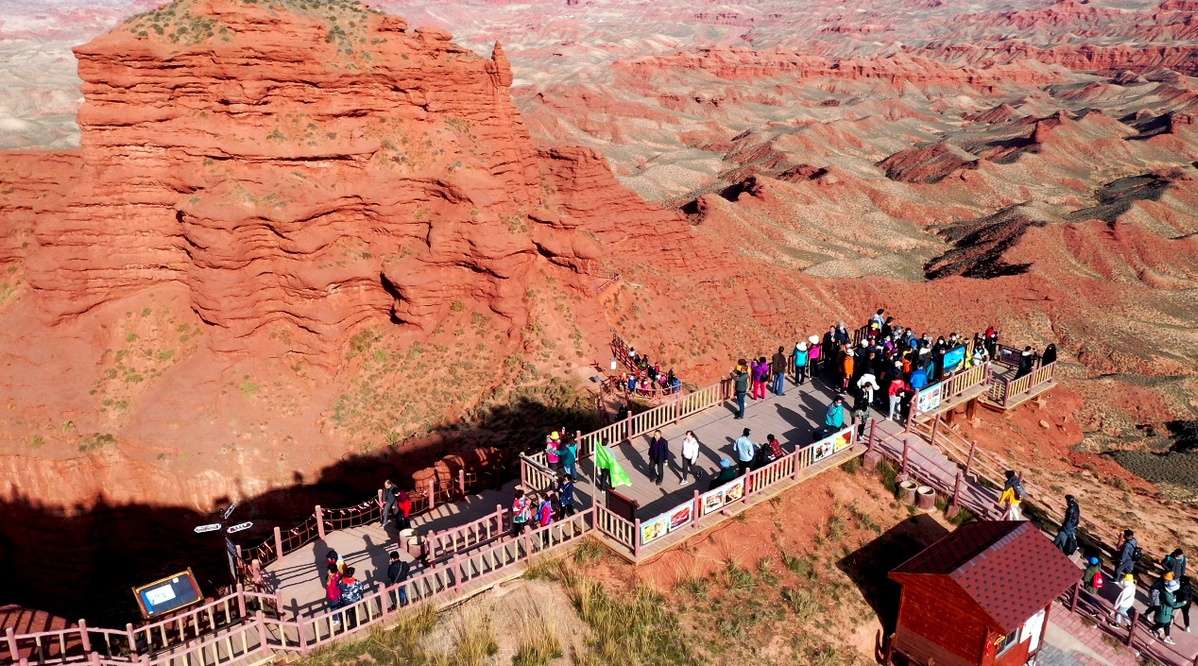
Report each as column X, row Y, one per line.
column 896, row 390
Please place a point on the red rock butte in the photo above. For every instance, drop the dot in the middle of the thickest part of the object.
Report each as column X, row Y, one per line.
column 305, row 164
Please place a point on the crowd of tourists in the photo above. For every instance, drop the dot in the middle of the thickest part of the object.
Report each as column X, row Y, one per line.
column 645, row 378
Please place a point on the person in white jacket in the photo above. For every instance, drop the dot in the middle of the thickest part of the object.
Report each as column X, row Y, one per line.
column 690, row 456
column 1123, row 603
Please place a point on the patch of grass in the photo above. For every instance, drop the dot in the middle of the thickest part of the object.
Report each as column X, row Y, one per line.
column 248, row 388
column 802, row 602
column 545, row 567
column 400, row 644
column 800, row 566
column 36, row 442
column 538, row 644
column 588, row 550
column 693, row 585
column 738, row 578
column 97, row 441
column 889, row 474
column 852, row 466
column 634, row 627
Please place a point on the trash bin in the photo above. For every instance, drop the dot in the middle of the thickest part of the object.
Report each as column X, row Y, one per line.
column 906, row 490
column 925, row 498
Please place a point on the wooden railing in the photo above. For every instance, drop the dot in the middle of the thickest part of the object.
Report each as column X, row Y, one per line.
column 464, row 537
column 200, row 621
column 534, row 475
column 785, row 468
column 1025, row 384
column 622, row 531
column 965, row 380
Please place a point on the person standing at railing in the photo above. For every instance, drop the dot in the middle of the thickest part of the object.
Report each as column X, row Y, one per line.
column 1050, row 355
column 778, row 368
column 746, row 451
column 828, row 350
column 834, row 416
column 1026, row 363
column 397, row 573
column 690, row 457
column 761, row 373
column 520, row 511
column 740, row 378
column 332, row 593
column 404, row 501
column 552, row 453
column 659, row 455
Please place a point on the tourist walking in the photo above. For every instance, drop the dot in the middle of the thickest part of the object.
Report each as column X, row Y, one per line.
column 1092, row 580
column 1066, row 540
column 1129, row 554
column 740, row 377
column 1185, row 597
column 746, row 450
column 690, row 457
column 351, row 593
column 659, row 455
column 390, row 501
column 1163, row 618
column 520, row 512
column 801, row 358
column 778, row 368
column 397, row 573
column 1124, row 602
column 1176, row 563
column 1012, row 496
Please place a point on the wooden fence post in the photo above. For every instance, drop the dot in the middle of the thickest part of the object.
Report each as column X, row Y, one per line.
column 906, row 449
column 278, row 543
column 636, row 538
column 83, row 637
column 696, row 510
column 462, row 481
column 499, row 520
column 935, row 426
column 319, row 521
column 240, row 600
column 1131, row 632
column 869, row 446
column 1077, row 593
column 129, row 635
column 954, row 505
column 973, row 447
column 432, row 493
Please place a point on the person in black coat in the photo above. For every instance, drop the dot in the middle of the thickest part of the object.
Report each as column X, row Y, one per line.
column 1050, row 355
column 659, row 454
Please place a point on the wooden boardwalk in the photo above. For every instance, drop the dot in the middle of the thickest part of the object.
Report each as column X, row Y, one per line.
column 791, row 418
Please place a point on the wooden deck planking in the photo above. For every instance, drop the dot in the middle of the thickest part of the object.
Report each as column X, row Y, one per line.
column 791, row 418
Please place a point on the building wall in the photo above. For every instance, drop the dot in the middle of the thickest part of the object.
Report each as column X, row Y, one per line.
column 938, row 620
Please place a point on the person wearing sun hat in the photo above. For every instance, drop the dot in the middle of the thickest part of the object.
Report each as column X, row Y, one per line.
column 814, row 354
column 800, row 362
column 1163, row 618
column 1124, row 602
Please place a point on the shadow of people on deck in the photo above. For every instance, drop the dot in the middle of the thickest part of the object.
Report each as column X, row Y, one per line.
column 800, row 432
column 377, row 562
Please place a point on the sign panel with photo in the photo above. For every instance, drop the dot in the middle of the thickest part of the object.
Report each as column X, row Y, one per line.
column 842, row 440
column 734, row 490
column 711, row 501
column 654, row 529
column 929, row 398
column 682, row 515
column 954, row 359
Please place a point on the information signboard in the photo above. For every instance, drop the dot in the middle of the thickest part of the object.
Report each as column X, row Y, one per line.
column 169, row 594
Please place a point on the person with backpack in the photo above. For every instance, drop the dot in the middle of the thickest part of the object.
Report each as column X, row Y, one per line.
column 1155, row 591
column 1092, row 579
column 1012, row 496
column 397, row 572
column 1124, row 602
column 1129, row 554
column 1066, row 540
column 1163, row 617
column 740, row 380
column 544, row 515
column 1185, row 597
column 332, row 591
column 520, row 506
column 351, row 593
column 1176, row 563
column 801, row 359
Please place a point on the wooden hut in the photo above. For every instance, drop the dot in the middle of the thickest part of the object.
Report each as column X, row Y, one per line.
column 980, row 596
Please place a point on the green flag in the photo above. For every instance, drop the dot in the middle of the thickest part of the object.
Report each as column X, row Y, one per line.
column 605, row 460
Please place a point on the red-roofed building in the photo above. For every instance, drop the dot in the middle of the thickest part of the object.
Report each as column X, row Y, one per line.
column 980, row 596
